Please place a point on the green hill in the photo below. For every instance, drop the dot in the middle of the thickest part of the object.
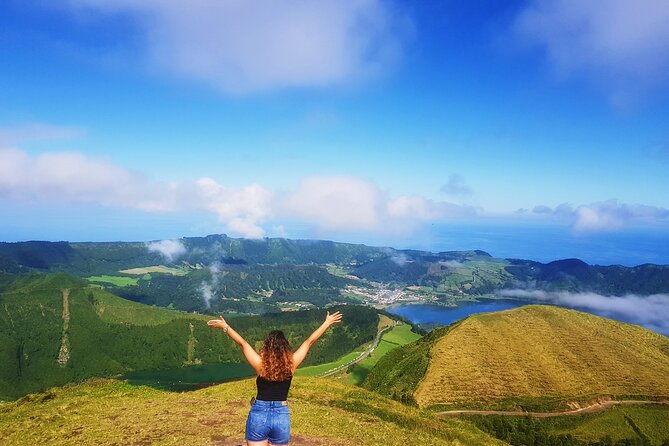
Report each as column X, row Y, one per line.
column 323, row 412
column 577, row 276
column 56, row 329
column 533, row 357
column 94, row 258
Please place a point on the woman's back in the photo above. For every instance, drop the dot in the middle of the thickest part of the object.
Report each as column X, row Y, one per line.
column 272, row 390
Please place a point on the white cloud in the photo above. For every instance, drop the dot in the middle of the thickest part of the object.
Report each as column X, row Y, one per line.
column 331, row 203
column 65, row 176
column 620, row 44
column 649, row 311
column 336, row 203
column 456, row 186
column 605, row 216
column 169, row 249
column 254, row 45
column 208, row 289
column 345, row 203
column 399, row 259
column 69, row 177
column 594, row 218
column 243, row 209
column 279, row 231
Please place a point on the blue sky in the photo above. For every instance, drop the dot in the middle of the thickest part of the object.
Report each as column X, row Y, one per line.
column 362, row 120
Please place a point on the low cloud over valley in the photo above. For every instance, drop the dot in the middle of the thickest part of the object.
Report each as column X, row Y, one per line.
column 648, row 311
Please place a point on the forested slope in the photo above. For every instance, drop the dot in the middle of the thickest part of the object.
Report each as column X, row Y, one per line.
column 56, row 329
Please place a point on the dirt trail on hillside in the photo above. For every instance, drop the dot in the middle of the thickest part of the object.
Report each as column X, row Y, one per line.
column 362, row 355
column 593, row 408
column 64, row 352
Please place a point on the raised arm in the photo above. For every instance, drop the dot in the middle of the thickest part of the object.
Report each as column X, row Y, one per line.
column 249, row 353
column 301, row 352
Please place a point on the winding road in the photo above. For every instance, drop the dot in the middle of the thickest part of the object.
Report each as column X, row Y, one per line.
column 593, row 408
column 362, row 355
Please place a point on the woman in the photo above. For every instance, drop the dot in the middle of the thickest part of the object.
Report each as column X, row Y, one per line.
column 269, row 419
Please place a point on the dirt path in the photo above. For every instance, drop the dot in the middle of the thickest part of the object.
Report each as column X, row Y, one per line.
column 593, row 408
column 190, row 346
column 362, row 355
column 64, row 352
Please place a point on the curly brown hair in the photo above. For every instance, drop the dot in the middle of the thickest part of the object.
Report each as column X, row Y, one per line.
column 277, row 357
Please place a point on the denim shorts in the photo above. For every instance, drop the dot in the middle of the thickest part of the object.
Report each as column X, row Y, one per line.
column 269, row 420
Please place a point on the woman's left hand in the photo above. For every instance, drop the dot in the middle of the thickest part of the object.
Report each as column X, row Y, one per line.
column 218, row 323
column 333, row 318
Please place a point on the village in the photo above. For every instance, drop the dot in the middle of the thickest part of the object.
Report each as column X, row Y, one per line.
column 380, row 295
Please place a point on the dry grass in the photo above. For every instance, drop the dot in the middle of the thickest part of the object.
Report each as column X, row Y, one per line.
column 385, row 321
column 106, row 412
column 161, row 269
column 544, row 353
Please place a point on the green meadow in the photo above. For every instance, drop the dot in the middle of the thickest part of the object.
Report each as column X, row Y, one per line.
column 114, row 280
column 398, row 336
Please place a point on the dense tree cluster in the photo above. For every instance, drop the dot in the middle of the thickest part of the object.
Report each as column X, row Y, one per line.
column 265, row 285
column 528, row 431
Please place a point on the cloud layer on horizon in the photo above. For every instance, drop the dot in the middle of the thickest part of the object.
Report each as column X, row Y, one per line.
column 604, row 216
column 259, row 45
column 648, row 311
column 326, row 203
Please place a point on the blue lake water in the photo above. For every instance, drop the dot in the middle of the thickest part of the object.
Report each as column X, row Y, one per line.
column 422, row 314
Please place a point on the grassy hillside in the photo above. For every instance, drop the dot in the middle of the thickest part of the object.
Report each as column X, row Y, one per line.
column 536, row 357
column 396, row 337
column 56, row 329
column 355, row 374
column 398, row 373
column 323, row 413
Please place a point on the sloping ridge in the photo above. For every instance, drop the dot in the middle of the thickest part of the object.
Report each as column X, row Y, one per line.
column 544, row 352
column 540, row 358
column 323, row 412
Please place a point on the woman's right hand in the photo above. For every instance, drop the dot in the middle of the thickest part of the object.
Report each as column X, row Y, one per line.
column 333, row 318
column 218, row 323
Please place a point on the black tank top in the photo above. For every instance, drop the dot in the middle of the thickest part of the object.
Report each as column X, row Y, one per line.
column 272, row 390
